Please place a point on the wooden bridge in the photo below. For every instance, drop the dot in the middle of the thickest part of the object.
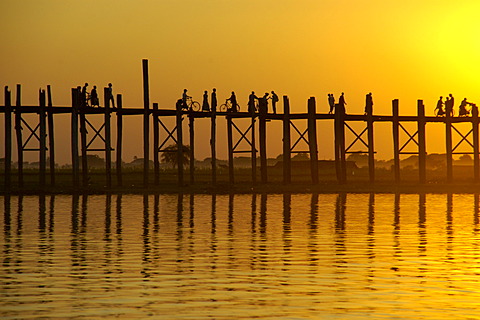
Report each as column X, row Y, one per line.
column 81, row 139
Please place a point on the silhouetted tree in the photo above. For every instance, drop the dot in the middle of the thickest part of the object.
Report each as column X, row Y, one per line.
column 170, row 155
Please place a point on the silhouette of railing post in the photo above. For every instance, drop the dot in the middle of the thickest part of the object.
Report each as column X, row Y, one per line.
column 179, row 146
column 191, row 127
column 312, row 139
column 18, row 131
column 146, row 131
column 340, row 164
column 156, row 144
column 74, row 137
column 108, row 142
column 8, row 139
column 422, row 152
column 448, row 141
column 371, row 147
column 287, row 160
column 43, row 138
column 254, row 149
column 213, row 143
column 476, row 169
column 118, row 161
column 262, row 128
column 51, row 135
column 231, row 176
column 83, row 140
column 396, row 140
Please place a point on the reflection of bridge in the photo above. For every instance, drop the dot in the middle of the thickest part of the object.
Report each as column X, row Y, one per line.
column 245, row 130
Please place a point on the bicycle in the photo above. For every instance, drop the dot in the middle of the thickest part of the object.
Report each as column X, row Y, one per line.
column 227, row 107
column 192, row 105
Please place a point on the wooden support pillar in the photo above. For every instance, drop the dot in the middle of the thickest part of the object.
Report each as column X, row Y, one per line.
column 43, row 138
column 448, row 142
column 476, row 168
column 213, row 142
column 422, row 150
column 83, row 140
column 253, row 148
column 179, row 119
column 51, row 135
column 312, row 139
column 371, row 146
column 118, row 161
column 262, row 130
column 74, row 137
column 8, row 139
column 18, row 130
column 396, row 140
column 340, row 161
column 230, row 149
column 146, row 129
column 156, row 144
column 108, row 139
column 287, row 160
column 191, row 128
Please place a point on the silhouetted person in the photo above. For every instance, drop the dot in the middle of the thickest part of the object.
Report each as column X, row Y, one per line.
column 341, row 102
column 110, row 95
column 214, row 99
column 265, row 97
column 439, row 109
column 331, row 102
column 274, row 102
column 205, row 106
column 447, row 105
column 84, row 95
column 94, row 97
column 369, row 103
column 451, row 104
column 462, row 110
column 233, row 101
column 251, row 102
column 179, row 104
column 185, row 97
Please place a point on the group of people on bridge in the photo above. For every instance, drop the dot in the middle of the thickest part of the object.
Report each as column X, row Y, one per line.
column 342, row 103
column 444, row 107
column 90, row 99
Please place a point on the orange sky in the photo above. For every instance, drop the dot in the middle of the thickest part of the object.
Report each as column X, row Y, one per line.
column 396, row 49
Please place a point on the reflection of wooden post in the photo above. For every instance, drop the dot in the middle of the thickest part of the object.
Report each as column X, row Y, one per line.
column 146, row 132
column 118, row 161
column 191, row 127
column 74, row 137
column 263, row 140
column 179, row 147
column 312, row 139
column 448, row 141
column 51, row 135
column 156, row 144
column 476, row 171
column 43, row 138
column 396, row 140
column 213, row 144
column 83, row 142
column 108, row 142
column 8, row 139
column 18, row 130
column 422, row 152
column 287, row 163
column 230, row 149
column 371, row 147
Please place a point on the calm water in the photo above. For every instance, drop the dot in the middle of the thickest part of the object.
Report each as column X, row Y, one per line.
column 334, row 256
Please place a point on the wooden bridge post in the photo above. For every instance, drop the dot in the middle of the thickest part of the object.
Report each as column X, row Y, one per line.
column 108, row 139
column 422, row 150
column 146, row 129
column 18, row 130
column 340, row 161
column 231, row 176
column 51, row 135
column 213, row 143
column 262, row 130
column 396, row 140
column 476, row 169
column 287, row 160
column 83, row 139
column 448, row 142
column 253, row 146
column 156, row 144
column 191, row 128
column 8, row 139
column 118, row 161
column 43, row 138
column 312, row 139
column 74, row 137
column 179, row 146
column 371, row 147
